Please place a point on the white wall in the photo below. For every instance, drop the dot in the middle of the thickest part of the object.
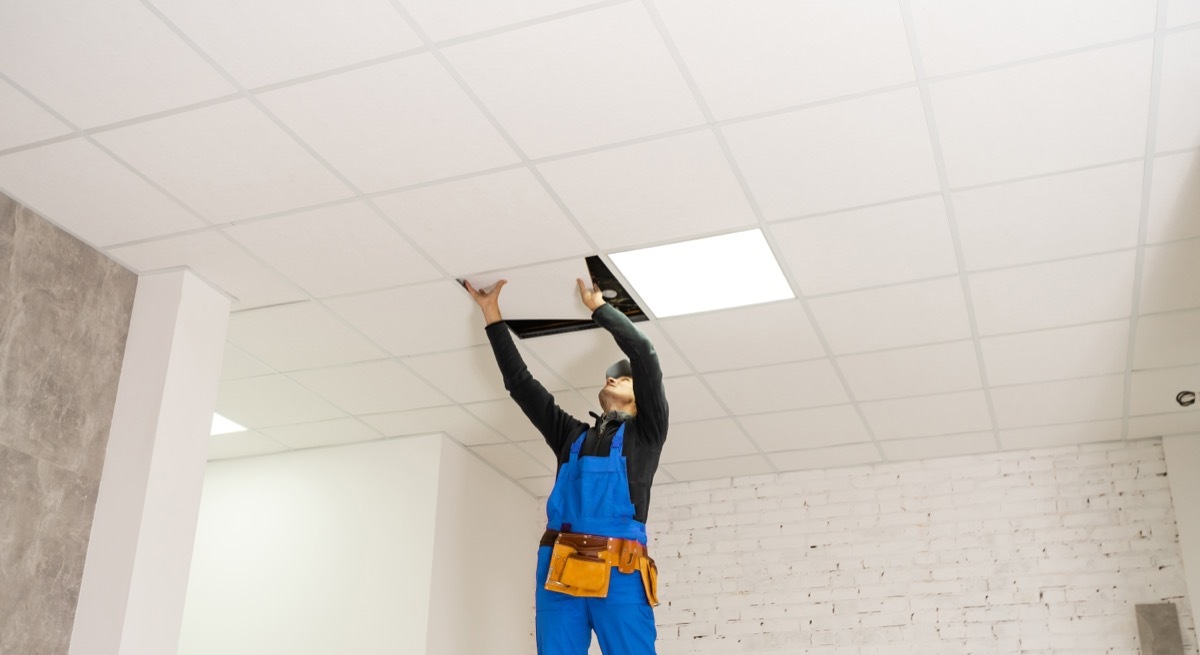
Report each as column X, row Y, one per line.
column 1183, row 465
column 1040, row 552
column 484, row 559
column 316, row 552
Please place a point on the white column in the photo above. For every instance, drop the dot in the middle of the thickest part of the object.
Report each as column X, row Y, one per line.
column 1182, row 454
column 135, row 576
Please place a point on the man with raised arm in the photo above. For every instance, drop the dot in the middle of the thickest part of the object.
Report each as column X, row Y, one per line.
column 593, row 571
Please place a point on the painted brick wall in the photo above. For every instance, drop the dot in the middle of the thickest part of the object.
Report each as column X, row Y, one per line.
column 1035, row 552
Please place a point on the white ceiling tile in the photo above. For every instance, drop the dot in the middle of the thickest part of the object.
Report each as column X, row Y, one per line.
column 471, row 375
column 335, row 250
column 462, row 426
column 369, row 123
column 765, row 334
column 238, row 162
column 1174, row 198
column 893, row 317
column 826, row 458
column 1182, row 12
column 1065, row 401
column 754, row 57
column 1154, row 392
column 1048, row 436
column 511, row 460
column 484, row 223
column 705, row 440
column 540, row 486
column 836, row 156
column 582, row 357
column 241, row 444
column 541, row 452
column 446, row 19
column 661, row 190
column 1081, row 351
column 82, row 189
column 868, row 247
column 1043, row 117
column 270, row 41
column 1179, row 94
column 371, row 387
column 413, row 320
column 940, row 368
column 323, row 433
column 1169, row 274
column 1048, row 218
column 719, row 468
column 780, row 387
column 298, row 335
column 952, row 445
column 806, row 428
column 928, row 415
column 1165, row 340
column 594, row 78
column 236, row 364
column 958, row 36
column 690, row 400
column 216, row 259
column 271, row 400
column 1086, row 290
column 506, row 417
column 24, row 120
column 1160, row 425
column 101, row 62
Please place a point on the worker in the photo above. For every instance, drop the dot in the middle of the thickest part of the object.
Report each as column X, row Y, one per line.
column 593, row 569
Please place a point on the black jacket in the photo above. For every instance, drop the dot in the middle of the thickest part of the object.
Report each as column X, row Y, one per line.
column 645, row 433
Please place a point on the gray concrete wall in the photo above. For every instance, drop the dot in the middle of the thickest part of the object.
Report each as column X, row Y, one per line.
column 64, row 316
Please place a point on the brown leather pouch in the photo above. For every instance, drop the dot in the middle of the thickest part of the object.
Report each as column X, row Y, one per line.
column 577, row 574
column 649, row 579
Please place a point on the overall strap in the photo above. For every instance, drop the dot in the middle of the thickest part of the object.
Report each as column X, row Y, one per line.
column 578, row 445
column 618, row 441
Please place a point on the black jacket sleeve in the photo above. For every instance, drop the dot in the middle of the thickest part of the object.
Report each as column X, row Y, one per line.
column 648, row 389
column 556, row 426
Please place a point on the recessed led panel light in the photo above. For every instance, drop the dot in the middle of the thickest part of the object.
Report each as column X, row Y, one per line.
column 731, row 270
column 222, row 425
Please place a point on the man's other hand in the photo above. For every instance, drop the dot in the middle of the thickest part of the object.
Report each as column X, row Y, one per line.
column 592, row 297
column 488, row 300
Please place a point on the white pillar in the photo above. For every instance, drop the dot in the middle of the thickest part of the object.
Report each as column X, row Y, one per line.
column 135, row 576
column 1182, row 454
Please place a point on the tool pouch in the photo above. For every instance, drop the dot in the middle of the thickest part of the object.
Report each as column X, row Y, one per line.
column 576, row 574
column 649, row 579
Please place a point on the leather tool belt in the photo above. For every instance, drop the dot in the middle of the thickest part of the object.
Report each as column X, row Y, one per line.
column 581, row 564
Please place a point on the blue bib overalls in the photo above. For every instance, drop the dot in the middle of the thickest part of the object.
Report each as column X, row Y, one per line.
column 591, row 496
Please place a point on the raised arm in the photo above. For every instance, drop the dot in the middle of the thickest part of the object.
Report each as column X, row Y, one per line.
column 555, row 425
column 651, row 398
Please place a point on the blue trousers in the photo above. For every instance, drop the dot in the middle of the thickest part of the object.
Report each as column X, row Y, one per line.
column 624, row 621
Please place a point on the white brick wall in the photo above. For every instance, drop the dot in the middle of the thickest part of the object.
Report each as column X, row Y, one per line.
column 1037, row 552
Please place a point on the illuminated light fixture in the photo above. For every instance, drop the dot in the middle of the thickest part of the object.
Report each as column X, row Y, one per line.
column 222, row 425
column 731, row 270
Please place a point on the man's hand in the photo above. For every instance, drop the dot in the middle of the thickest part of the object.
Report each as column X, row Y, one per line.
column 488, row 301
column 592, row 297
